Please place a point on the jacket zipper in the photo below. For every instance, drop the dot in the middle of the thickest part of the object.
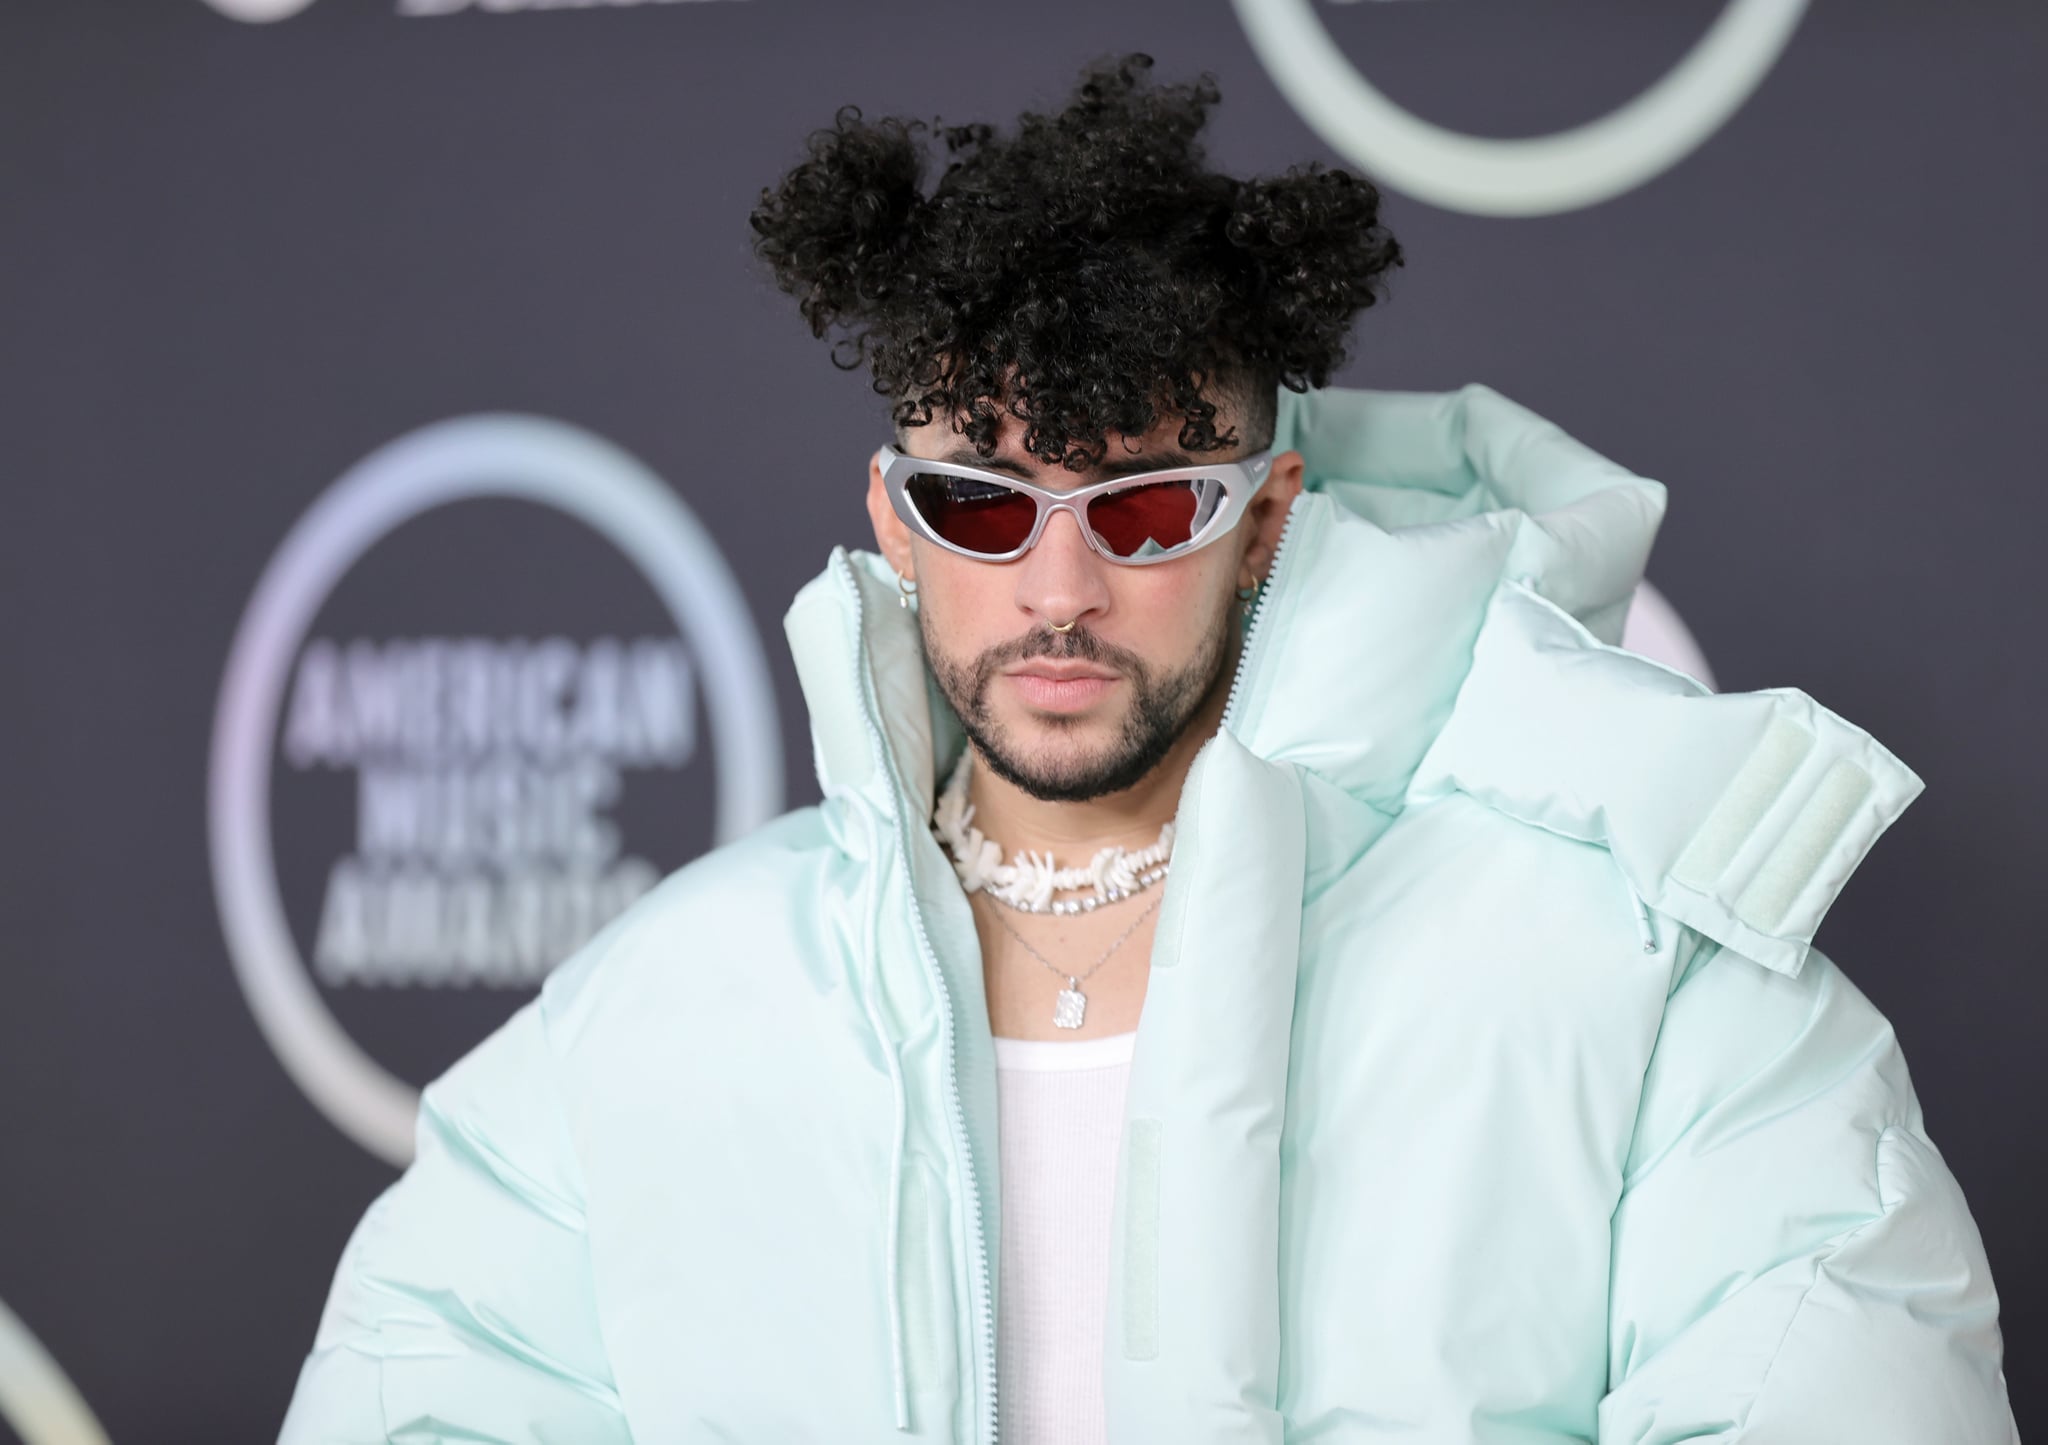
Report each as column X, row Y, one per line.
column 956, row 1113
column 1253, row 635
column 955, row 1110
column 985, row 1366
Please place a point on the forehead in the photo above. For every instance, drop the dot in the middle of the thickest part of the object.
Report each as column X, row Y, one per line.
column 1155, row 449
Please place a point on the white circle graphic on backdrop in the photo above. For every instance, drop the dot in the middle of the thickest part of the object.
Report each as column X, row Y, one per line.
column 259, row 12
column 41, row 1405
column 467, row 458
column 1531, row 176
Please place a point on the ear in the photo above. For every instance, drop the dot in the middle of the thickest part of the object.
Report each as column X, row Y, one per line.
column 892, row 538
column 1265, row 515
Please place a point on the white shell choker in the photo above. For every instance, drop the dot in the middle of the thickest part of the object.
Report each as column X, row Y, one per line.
column 1029, row 880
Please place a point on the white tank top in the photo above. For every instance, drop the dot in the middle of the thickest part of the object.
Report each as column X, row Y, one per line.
column 1060, row 1112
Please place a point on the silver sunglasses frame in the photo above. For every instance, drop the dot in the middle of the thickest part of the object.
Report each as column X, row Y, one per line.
column 1240, row 480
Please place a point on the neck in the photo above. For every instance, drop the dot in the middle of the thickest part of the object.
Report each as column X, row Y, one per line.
column 1073, row 832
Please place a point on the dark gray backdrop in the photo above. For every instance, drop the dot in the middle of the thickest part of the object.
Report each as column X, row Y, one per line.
column 235, row 259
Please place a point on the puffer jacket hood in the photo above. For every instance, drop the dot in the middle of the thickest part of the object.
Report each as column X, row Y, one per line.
column 1483, row 1000
column 1452, row 522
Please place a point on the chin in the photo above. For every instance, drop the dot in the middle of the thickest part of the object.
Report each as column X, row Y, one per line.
column 1061, row 740
column 1055, row 766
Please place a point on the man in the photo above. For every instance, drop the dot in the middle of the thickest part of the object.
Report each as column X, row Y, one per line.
column 1266, row 966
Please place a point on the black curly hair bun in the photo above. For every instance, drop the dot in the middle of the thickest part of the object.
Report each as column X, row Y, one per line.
column 837, row 227
column 1083, row 274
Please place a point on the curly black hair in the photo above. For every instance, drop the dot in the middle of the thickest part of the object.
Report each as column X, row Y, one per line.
column 1082, row 275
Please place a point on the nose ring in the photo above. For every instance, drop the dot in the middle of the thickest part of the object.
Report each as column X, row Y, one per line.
column 1067, row 626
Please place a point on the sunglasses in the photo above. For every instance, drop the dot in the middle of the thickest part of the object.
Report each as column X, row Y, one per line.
column 1134, row 520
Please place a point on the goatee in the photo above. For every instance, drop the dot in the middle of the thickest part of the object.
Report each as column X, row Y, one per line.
column 1161, row 709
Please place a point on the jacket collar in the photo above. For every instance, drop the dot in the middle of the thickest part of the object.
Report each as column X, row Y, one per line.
column 1444, row 614
column 1416, row 505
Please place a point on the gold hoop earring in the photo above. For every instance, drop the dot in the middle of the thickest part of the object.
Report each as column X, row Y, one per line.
column 1247, row 598
column 905, row 590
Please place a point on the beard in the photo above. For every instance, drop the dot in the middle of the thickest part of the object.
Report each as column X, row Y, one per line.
column 1161, row 708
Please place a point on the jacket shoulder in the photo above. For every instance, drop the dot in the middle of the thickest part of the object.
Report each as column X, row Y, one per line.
column 1741, row 815
column 745, row 882
column 736, row 892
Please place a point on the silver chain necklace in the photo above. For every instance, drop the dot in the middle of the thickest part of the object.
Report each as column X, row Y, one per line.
column 1071, row 1007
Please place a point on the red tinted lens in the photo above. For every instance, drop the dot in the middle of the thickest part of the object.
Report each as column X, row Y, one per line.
column 1143, row 520
column 980, row 516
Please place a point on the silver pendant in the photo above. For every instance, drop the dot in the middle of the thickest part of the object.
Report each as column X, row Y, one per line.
column 1072, row 1004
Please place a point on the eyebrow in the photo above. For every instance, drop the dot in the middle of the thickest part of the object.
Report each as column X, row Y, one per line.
column 1155, row 462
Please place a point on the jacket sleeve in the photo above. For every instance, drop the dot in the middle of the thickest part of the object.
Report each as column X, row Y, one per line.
column 462, row 1306
column 1793, row 1263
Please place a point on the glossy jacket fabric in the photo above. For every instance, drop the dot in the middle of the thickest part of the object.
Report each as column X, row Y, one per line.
column 1487, row 1088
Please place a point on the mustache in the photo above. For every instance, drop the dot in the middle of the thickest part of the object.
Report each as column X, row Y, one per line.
column 1080, row 644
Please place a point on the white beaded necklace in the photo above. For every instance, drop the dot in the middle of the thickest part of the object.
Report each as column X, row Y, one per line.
column 1029, row 880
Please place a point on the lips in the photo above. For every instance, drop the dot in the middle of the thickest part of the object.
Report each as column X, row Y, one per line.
column 1055, row 687
column 1062, row 671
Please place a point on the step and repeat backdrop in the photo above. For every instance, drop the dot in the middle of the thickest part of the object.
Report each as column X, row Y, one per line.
column 408, row 468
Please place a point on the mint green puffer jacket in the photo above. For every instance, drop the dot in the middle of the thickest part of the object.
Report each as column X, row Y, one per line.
column 1488, row 1086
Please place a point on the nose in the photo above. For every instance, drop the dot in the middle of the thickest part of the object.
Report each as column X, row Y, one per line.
column 1061, row 578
